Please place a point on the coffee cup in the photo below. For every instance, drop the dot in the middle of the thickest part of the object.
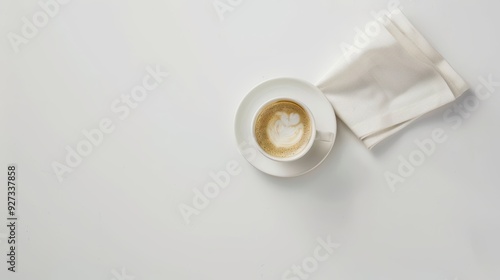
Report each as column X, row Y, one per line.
column 285, row 130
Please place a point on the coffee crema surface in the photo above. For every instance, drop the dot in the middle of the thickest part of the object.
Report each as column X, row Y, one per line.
column 282, row 129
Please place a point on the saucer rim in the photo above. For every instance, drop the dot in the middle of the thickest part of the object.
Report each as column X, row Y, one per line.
column 323, row 156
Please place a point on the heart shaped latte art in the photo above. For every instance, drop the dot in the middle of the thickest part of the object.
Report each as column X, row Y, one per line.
column 285, row 130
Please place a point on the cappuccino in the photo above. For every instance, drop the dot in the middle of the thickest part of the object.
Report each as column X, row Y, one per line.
column 283, row 129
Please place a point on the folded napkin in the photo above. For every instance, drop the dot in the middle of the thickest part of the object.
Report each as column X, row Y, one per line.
column 396, row 78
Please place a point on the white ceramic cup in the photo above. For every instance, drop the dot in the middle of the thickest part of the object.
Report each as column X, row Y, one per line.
column 316, row 135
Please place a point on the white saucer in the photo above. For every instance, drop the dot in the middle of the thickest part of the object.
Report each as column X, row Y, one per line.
column 306, row 93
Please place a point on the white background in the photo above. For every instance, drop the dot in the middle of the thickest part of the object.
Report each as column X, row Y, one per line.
column 118, row 211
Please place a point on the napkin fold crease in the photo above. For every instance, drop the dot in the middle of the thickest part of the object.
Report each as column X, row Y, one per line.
column 395, row 79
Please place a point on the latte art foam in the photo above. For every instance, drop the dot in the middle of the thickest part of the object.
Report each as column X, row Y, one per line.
column 283, row 129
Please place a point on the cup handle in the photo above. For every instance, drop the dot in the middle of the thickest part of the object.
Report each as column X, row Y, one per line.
column 324, row 136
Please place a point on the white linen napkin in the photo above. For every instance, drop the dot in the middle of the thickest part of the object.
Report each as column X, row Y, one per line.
column 396, row 78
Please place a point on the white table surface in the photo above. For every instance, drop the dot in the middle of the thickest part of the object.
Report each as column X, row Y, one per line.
column 116, row 215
